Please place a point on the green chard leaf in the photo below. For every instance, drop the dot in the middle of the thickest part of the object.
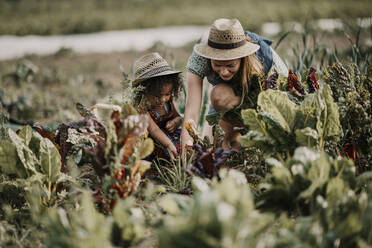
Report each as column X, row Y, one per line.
column 50, row 160
column 307, row 137
column 332, row 126
column 26, row 134
column 275, row 130
column 9, row 161
column 279, row 106
column 251, row 119
column 336, row 188
column 24, row 153
column 318, row 175
column 258, row 140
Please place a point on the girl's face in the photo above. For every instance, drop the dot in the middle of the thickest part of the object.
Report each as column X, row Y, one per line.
column 226, row 69
column 165, row 94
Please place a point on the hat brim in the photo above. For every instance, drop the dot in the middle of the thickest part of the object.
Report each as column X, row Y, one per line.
column 137, row 81
column 225, row 54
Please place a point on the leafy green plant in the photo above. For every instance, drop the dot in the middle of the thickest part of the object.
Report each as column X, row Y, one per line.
column 83, row 226
column 296, row 185
column 4, row 117
column 115, row 150
column 31, row 161
column 221, row 214
column 352, row 93
column 326, row 190
column 279, row 125
column 173, row 175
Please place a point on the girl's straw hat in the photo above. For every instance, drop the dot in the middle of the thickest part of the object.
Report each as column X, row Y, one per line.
column 226, row 41
column 149, row 66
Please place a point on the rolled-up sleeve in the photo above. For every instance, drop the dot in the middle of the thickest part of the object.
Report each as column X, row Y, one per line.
column 197, row 65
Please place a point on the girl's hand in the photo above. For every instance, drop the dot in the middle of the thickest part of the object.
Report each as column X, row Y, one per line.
column 173, row 124
column 173, row 154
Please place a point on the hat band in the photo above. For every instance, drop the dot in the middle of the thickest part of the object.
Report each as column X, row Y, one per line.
column 226, row 46
column 156, row 71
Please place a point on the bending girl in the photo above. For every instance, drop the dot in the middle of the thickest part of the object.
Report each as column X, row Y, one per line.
column 157, row 85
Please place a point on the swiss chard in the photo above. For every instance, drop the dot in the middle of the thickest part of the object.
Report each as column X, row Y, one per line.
column 279, row 125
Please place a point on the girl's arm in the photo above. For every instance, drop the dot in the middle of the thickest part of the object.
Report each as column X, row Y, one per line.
column 194, row 84
column 175, row 122
column 162, row 138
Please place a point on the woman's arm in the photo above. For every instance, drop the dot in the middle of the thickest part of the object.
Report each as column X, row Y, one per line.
column 194, row 84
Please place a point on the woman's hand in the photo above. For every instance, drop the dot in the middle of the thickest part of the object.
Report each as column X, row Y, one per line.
column 173, row 154
column 194, row 85
column 173, row 124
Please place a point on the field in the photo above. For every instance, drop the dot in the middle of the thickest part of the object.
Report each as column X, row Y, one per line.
column 72, row 178
column 45, row 17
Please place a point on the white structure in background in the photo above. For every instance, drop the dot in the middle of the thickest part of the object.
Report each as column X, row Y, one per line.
column 141, row 39
column 274, row 28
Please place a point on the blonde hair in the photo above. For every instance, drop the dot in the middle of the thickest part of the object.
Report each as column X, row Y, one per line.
column 250, row 66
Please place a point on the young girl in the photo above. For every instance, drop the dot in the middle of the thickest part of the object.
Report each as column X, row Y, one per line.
column 157, row 85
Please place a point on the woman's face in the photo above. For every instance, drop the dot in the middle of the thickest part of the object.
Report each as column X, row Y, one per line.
column 160, row 98
column 226, row 69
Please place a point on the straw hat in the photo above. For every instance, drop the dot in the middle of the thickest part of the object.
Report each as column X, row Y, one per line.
column 149, row 66
column 226, row 41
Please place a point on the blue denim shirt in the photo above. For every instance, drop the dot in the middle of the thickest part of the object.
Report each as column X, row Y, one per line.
column 264, row 54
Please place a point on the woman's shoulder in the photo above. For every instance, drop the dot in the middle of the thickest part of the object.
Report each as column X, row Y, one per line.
column 197, row 64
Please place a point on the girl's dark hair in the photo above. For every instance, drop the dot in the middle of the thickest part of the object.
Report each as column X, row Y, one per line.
column 152, row 86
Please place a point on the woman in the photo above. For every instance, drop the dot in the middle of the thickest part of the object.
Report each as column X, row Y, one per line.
column 229, row 60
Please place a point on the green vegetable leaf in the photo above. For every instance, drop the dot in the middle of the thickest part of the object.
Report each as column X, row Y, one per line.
column 26, row 134
column 50, row 160
column 251, row 119
column 275, row 130
column 24, row 153
column 307, row 137
column 278, row 104
column 318, row 175
column 259, row 140
column 336, row 188
column 9, row 161
column 332, row 126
